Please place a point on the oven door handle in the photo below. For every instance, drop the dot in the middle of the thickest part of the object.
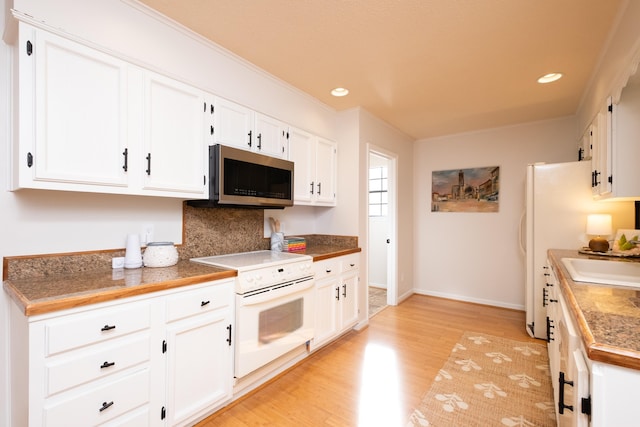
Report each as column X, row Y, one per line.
column 270, row 294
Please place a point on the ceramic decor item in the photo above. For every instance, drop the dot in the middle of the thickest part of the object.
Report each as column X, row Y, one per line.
column 133, row 255
column 160, row 254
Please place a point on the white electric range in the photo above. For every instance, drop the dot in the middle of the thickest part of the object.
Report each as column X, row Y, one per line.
column 275, row 308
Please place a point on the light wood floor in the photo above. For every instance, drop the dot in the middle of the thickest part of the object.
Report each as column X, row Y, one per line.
column 375, row 377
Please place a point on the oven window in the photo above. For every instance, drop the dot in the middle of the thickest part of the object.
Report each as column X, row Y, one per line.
column 279, row 321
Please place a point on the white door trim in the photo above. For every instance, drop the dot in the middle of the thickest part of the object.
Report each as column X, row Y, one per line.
column 392, row 251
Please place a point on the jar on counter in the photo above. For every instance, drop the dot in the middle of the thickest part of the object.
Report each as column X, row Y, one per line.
column 160, row 254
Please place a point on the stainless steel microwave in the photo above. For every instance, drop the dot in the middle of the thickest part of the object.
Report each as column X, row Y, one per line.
column 247, row 179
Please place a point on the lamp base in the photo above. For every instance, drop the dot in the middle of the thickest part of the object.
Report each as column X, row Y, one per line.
column 598, row 244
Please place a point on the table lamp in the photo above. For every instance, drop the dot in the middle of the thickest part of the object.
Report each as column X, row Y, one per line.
column 599, row 225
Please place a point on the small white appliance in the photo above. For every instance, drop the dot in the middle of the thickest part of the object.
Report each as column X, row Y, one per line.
column 274, row 305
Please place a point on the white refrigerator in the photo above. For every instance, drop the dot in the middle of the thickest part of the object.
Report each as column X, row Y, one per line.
column 558, row 200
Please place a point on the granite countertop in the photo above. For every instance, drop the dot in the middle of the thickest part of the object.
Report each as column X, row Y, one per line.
column 608, row 317
column 62, row 287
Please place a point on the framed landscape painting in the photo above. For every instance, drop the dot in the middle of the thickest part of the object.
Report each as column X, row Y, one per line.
column 466, row 190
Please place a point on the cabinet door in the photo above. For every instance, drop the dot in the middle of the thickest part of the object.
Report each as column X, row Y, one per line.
column 270, row 136
column 625, row 145
column 326, row 163
column 233, row 124
column 301, row 152
column 349, row 300
column 73, row 127
column 174, row 149
column 326, row 327
column 200, row 365
column 602, row 155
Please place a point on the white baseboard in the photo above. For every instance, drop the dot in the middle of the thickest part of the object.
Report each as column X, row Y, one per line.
column 468, row 299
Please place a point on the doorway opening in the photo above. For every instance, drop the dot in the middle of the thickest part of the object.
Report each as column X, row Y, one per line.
column 381, row 229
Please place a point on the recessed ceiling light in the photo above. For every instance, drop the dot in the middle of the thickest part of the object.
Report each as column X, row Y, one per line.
column 551, row 77
column 339, row 91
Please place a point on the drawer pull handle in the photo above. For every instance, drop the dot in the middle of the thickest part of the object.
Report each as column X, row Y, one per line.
column 107, row 364
column 328, row 270
column 352, row 265
column 106, row 405
column 107, row 328
column 203, row 303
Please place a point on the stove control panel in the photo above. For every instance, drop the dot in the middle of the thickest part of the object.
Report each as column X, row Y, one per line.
column 269, row 276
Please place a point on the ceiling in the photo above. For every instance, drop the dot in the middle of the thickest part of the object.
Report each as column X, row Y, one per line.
column 427, row 67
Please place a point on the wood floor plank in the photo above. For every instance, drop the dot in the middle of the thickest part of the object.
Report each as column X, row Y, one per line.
column 376, row 376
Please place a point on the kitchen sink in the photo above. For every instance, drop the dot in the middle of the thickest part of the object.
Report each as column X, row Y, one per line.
column 603, row 272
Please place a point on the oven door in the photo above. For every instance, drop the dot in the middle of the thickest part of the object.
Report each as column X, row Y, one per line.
column 271, row 322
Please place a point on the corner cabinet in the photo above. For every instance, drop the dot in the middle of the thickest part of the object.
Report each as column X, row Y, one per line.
column 336, row 298
column 241, row 127
column 160, row 360
column 315, row 161
column 91, row 122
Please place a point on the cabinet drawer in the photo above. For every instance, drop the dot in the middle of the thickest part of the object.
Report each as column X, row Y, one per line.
column 99, row 361
column 138, row 418
column 77, row 330
column 326, row 268
column 189, row 303
column 100, row 404
column 350, row 262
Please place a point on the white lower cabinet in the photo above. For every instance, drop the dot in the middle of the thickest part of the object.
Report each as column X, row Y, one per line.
column 586, row 392
column 161, row 359
column 199, row 353
column 336, row 297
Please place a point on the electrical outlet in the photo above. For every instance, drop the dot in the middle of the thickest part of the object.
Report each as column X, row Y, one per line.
column 147, row 234
column 117, row 262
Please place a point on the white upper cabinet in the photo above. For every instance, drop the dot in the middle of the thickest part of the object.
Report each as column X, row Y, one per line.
column 326, row 154
column 315, row 168
column 174, row 150
column 601, row 143
column 241, row 127
column 73, row 121
column 271, row 135
column 624, row 177
column 94, row 123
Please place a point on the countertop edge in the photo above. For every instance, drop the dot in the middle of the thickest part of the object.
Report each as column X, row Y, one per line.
column 598, row 352
column 63, row 303
column 341, row 252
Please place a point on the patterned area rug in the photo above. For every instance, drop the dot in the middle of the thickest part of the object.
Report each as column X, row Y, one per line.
column 490, row 381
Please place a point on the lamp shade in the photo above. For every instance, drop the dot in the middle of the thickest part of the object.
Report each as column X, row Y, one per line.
column 599, row 224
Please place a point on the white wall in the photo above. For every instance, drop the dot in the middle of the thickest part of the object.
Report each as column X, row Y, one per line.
column 376, row 132
column 475, row 256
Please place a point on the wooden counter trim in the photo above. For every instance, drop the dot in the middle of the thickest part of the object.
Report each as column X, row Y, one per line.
column 595, row 351
column 62, row 303
column 337, row 253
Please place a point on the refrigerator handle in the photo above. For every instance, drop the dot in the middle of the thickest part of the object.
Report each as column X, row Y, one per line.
column 521, row 242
